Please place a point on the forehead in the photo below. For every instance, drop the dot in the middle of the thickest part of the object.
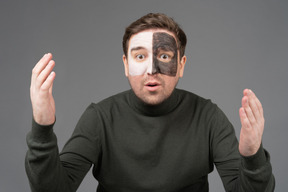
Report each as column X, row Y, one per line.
column 144, row 38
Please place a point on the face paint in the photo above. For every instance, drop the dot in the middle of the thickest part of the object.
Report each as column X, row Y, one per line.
column 139, row 53
column 164, row 54
column 152, row 53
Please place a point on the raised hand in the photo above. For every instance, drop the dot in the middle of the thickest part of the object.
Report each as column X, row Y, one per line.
column 42, row 79
column 252, row 120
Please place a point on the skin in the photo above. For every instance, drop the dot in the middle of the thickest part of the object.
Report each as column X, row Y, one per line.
column 165, row 83
column 42, row 78
column 252, row 120
column 43, row 105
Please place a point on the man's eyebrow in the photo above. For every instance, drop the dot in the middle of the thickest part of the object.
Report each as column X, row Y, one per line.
column 137, row 48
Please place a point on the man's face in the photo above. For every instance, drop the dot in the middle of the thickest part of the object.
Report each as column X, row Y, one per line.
column 153, row 66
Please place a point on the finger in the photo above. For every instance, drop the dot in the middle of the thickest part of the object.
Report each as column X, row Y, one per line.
column 257, row 103
column 253, row 106
column 48, row 83
column 245, row 92
column 42, row 63
column 51, row 87
column 244, row 119
column 45, row 73
column 248, row 111
column 40, row 66
column 254, row 103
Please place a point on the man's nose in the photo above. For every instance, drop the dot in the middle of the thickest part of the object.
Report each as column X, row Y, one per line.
column 152, row 68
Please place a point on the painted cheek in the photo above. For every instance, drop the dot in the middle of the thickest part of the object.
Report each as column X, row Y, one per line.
column 164, row 41
column 139, row 68
column 143, row 40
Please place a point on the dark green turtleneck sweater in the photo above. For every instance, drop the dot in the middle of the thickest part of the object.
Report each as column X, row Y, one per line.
column 134, row 147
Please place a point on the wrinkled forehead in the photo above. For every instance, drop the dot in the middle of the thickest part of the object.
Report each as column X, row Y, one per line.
column 145, row 38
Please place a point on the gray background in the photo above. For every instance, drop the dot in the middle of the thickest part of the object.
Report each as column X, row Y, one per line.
column 232, row 45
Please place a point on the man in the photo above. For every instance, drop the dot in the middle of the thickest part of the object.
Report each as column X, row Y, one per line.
column 151, row 138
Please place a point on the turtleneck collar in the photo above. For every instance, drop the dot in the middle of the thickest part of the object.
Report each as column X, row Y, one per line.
column 154, row 110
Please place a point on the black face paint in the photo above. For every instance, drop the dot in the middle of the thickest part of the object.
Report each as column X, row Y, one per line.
column 164, row 43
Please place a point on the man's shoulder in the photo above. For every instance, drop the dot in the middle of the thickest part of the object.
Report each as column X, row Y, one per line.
column 198, row 104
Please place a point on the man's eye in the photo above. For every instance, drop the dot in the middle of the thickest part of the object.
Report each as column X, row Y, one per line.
column 140, row 57
column 164, row 56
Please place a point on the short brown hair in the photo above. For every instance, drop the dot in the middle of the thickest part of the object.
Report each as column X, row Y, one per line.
column 155, row 21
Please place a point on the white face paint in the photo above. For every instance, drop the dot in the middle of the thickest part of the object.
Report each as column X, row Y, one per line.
column 140, row 53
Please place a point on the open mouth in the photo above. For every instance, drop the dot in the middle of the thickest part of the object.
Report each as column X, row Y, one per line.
column 152, row 85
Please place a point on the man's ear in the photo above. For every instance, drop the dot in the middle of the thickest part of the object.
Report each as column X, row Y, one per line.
column 182, row 66
column 125, row 62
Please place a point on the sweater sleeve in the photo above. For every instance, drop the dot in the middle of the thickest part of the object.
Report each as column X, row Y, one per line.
column 47, row 170
column 238, row 173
